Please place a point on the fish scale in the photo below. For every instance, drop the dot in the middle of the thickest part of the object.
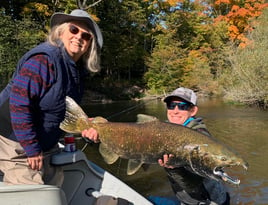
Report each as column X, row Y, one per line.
column 147, row 140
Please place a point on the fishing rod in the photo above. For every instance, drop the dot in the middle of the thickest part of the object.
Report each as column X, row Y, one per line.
column 134, row 107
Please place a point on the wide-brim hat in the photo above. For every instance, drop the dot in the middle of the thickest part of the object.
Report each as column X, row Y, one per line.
column 78, row 15
column 185, row 94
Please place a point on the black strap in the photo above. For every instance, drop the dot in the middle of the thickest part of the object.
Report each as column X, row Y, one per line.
column 187, row 199
column 179, row 183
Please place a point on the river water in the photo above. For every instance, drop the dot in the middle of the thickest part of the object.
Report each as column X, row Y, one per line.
column 243, row 129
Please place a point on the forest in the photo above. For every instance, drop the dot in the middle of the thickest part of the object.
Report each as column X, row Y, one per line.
column 215, row 47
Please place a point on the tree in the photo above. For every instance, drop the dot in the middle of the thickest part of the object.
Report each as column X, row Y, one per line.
column 165, row 65
column 123, row 24
column 238, row 15
column 247, row 81
column 16, row 37
column 189, row 50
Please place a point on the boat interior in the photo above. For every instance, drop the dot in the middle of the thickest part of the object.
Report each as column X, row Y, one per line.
column 83, row 183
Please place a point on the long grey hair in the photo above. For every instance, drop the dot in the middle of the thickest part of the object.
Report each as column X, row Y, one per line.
column 91, row 58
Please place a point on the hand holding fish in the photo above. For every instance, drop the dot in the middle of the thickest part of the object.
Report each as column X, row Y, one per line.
column 142, row 143
column 91, row 134
column 164, row 162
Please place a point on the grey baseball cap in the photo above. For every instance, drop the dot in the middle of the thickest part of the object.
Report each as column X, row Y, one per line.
column 183, row 93
column 78, row 15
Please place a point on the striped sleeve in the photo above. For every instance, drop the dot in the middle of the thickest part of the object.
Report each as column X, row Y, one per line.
column 29, row 85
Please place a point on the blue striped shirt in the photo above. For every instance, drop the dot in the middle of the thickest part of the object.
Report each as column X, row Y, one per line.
column 32, row 82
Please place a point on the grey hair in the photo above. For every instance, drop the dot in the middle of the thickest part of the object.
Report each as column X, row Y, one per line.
column 91, row 58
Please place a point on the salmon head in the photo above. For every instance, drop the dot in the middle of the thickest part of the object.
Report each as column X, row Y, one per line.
column 211, row 160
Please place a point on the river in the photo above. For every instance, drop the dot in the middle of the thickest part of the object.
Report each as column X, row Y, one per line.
column 243, row 129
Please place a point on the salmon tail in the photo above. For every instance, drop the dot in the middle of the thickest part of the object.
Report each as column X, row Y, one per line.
column 75, row 120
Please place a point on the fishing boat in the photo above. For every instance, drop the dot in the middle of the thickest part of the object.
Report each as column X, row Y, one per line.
column 85, row 183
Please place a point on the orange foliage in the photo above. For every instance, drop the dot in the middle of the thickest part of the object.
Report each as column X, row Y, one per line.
column 218, row 2
column 240, row 16
column 173, row 2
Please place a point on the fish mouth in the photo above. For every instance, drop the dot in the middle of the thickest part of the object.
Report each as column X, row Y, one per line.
column 219, row 172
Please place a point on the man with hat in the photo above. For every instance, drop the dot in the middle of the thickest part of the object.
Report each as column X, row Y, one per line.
column 189, row 187
column 32, row 105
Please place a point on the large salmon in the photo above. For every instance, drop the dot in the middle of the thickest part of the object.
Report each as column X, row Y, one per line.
column 146, row 142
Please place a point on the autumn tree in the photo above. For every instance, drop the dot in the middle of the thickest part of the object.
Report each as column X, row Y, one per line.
column 238, row 15
column 189, row 49
column 247, row 80
column 160, row 44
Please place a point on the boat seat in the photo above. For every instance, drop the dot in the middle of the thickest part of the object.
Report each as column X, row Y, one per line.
column 38, row 194
column 30, row 194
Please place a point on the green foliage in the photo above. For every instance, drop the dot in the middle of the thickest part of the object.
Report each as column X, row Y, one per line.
column 165, row 66
column 123, row 52
column 160, row 44
column 187, row 52
column 247, row 81
column 197, row 73
column 7, row 39
column 16, row 37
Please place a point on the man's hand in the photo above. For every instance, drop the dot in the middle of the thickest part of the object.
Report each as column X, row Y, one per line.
column 36, row 162
column 164, row 162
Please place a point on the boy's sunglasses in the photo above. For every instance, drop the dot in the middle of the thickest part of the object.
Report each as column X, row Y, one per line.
column 85, row 36
column 181, row 105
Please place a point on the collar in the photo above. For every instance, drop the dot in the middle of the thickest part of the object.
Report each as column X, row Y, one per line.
column 188, row 120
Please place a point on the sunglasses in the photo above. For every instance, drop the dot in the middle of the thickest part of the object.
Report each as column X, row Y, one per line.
column 181, row 105
column 85, row 36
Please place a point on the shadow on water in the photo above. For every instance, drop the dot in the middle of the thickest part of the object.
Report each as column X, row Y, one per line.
column 243, row 129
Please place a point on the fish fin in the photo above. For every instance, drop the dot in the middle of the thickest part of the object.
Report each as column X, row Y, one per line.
column 142, row 118
column 75, row 119
column 99, row 119
column 133, row 166
column 108, row 156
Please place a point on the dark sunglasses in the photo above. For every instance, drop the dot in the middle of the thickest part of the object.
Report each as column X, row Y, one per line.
column 85, row 36
column 181, row 105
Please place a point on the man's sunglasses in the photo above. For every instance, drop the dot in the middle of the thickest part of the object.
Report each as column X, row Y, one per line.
column 181, row 105
column 85, row 36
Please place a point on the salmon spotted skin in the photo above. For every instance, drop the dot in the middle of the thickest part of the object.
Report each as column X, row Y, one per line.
column 147, row 140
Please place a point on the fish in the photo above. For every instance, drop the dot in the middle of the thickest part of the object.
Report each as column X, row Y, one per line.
column 146, row 141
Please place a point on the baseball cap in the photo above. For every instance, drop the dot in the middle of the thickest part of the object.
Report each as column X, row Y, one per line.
column 78, row 15
column 184, row 93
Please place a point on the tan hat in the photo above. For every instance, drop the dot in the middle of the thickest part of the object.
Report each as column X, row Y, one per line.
column 184, row 93
column 78, row 15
